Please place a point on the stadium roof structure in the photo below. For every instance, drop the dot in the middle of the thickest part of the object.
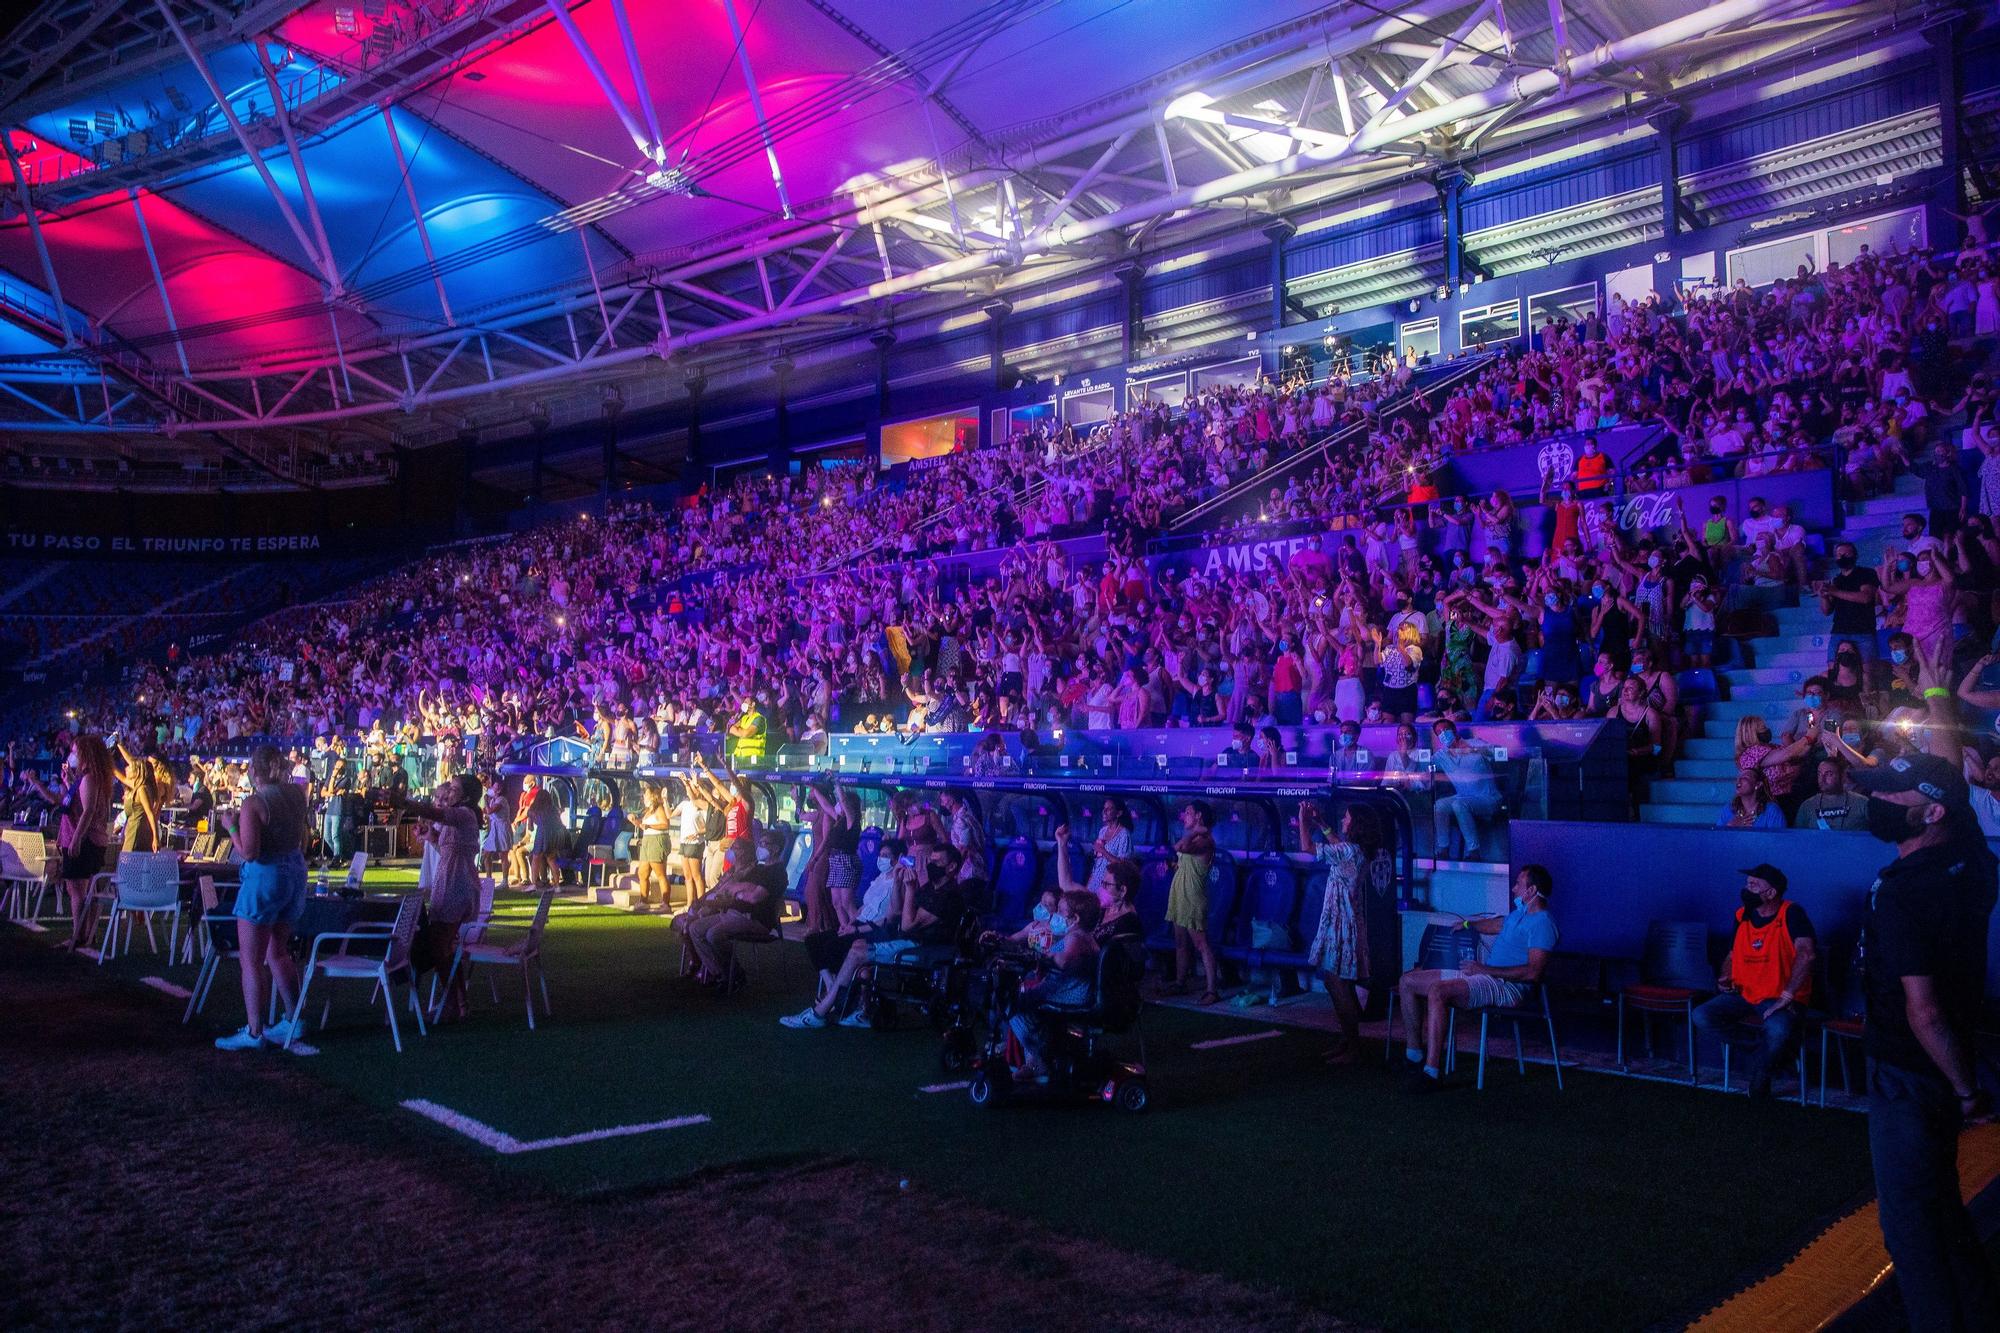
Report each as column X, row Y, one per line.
column 279, row 231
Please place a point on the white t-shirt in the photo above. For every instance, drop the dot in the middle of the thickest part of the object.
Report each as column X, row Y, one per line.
column 689, row 813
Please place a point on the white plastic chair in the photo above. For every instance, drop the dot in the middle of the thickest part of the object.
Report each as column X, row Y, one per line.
column 469, row 933
column 382, row 971
column 26, row 868
column 146, row 885
column 524, row 952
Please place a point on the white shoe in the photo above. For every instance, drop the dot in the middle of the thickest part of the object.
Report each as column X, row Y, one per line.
column 857, row 1019
column 243, row 1039
column 282, row 1031
column 807, row 1017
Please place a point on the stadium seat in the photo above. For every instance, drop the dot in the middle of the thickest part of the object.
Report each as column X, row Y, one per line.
column 1014, row 883
column 1304, row 925
column 1673, row 973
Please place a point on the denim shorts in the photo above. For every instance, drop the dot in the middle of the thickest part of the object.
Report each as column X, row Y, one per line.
column 272, row 892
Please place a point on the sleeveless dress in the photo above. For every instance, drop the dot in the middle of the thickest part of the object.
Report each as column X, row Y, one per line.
column 1187, row 900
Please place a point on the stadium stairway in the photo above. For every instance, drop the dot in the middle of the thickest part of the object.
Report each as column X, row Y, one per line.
column 1766, row 679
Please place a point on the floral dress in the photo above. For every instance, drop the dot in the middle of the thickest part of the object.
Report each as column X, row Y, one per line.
column 1459, row 672
column 1342, row 940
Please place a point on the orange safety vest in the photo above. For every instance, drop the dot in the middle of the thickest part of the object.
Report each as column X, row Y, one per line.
column 1762, row 957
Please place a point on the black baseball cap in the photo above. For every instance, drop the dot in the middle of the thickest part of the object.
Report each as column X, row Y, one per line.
column 1769, row 873
column 1939, row 779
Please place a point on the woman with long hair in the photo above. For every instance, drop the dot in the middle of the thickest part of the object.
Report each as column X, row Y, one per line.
column 656, row 824
column 84, row 831
column 1339, row 951
column 269, row 831
column 453, row 897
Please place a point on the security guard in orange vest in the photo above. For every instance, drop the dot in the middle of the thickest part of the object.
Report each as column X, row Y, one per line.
column 1767, row 981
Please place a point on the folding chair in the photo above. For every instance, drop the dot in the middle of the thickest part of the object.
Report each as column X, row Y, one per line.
column 1673, row 973
column 524, row 952
column 215, row 924
column 382, row 971
column 1441, row 949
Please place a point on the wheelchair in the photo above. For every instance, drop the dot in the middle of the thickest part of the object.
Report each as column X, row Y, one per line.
column 929, row 978
column 1080, row 1065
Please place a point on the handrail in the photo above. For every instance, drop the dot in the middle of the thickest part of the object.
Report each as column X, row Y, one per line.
column 1191, row 519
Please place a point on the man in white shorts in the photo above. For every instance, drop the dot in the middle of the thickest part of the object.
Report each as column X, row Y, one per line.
column 1523, row 940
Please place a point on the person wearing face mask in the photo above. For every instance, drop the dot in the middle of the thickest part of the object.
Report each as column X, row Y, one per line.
column 1767, row 977
column 1851, row 597
column 1927, row 595
column 1523, row 942
column 1063, row 977
column 1924, row 981
column 744, row 905
column 839, row 954
column 1466, row 793
column 1347, row 749
column 1945, row 492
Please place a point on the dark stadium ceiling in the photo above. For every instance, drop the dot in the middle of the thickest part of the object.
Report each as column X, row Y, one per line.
column 277, row 231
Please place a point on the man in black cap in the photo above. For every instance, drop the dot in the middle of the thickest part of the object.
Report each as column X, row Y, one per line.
column 1924, row 950
column 1766, row 982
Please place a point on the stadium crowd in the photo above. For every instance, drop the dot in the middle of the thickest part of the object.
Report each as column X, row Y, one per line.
column 646, row 627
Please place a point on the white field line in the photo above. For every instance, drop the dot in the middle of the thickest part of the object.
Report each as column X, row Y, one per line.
column 959, row 1086
column 502, row 1142
column 1266, row 1034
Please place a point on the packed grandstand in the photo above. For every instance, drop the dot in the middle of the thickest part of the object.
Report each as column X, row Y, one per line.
column 1118, row 646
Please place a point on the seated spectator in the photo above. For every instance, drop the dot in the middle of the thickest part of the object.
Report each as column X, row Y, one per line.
column 1767, row 976
column 1523, row 941
column 743, row 905
column 1067, row 976
column 928, row 905
column 857, row 922
column 1751, row 806
column 1832, row 806
column 1466, row 793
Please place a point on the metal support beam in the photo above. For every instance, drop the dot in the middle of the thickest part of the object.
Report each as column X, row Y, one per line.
column 283, row 115
column 757, row 106
column 41, row 245
column 1083, row 183
column 416, row 212
column 560, row 10
column 1278, row 232
column 215, row 90
column 1666, row 123
column 1450, row 182
column 159, row 282
column 1944, row 35
column 638, row 67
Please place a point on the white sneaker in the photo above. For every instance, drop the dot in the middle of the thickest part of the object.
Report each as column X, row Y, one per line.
column 807, row 1017
column 282, row 1031
column 243, row 1039
column 857, row 1019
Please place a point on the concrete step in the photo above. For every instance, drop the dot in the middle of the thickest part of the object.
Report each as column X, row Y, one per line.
column 1738, row 677
column 1878, row 514
column 1691, row 791
column 1699, row 815
column 1776, row 710
column 1763, row 693
column 1807, row 657
column 1707, row 747
column 1706, row 770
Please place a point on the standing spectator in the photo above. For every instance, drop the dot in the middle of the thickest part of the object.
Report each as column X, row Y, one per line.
column 1924, row 942
column 1339, row 951
column 1767, row 978
column 83, row 828
column 1945, row 493
column 454, row 888
column 269, row 831
column 1850, row 597
column 1187, row 901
